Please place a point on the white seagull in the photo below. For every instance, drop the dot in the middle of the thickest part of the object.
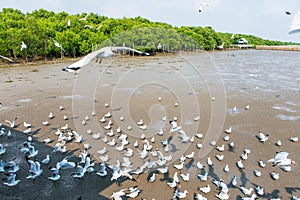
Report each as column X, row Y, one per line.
column 23, row 46
column 263, row 137
column 11, row 180
column 99, row 54
column 295, row 25
column 281, row 158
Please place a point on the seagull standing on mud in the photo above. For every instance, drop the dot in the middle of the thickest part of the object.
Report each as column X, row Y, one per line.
column 99, row 54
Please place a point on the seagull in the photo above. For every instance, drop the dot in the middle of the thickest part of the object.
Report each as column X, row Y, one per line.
column 274, row 175
column 134, row 192
column 246, row 191
column 84, row 18
column 240, row 165
column 51, row 116
column 152, row 178
column 174, row 127
column 2, row 149
column 10, row 60
column 23, row 46
column 261, row 164
column 89, row 26
column 11, row 167
column 26, row 125
column 203, row 177
column 228, row 131
column 11, row 180
column 45, row 123
column 220, row 157
column 199, row 197
column 46, row 160
column 65, row 164
column 185, row 177
column 172, row 184
column 263, row 137
column 247, row 107
column 295, row 25
column 281, row 159
column 183, row 137
column 259, row 190
column 58, row 45
column 202, row 5
column 205, row 189
column 102, row 171
column 221, row 148
column 253, row 197
column 180, row 195
column 278, row 143
column 79, row 172
column 226, row 168
column 191, row 155
column 35, row 169
column 288, row 12
column 55, row 174
column 11, row 123
column 294, row 139
column 118, row 195
column 257, row 172
column 209, row 162
column 199, row 165
column 234, row 181
column 99, row 54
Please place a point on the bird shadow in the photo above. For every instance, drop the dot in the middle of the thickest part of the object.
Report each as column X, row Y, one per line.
column 231, row 149
column 211, row 173
column 173, row 148
column 189, row 164
column 273, row 194
column 290, row 190
column 243, row 178
column 166, row 177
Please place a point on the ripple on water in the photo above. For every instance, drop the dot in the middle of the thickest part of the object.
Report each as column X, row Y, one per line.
column 71, row 97
column 286, row 117
column 24, row 100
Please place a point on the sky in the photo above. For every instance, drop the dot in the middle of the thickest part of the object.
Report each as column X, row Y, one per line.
column 262, row 18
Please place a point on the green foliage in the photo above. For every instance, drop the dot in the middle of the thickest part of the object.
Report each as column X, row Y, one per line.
column 38, row 29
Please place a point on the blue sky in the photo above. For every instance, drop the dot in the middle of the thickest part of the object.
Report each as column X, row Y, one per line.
column 262, row 18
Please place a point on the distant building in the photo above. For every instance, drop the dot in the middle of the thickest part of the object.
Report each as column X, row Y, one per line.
column 242, row 41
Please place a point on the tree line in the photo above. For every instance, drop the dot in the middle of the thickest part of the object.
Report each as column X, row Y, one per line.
column 47, row 34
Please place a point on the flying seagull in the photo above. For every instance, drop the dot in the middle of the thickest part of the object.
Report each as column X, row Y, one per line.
column 99, row 54
column 23, row 46
column 5, row 58
column 202, row 5
column 295, row 25
column 288, row 12
column 58, row 45
column 84, row 18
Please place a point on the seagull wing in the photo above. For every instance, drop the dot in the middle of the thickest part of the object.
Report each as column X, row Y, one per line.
column 295, row 25
column 6, row 58
column 85, row 60
column 281, row 155
column 130, row 49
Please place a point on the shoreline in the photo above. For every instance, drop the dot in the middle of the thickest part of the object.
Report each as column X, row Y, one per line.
column 160, row 54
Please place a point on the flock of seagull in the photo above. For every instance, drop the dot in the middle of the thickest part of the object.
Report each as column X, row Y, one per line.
column 141, row 155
